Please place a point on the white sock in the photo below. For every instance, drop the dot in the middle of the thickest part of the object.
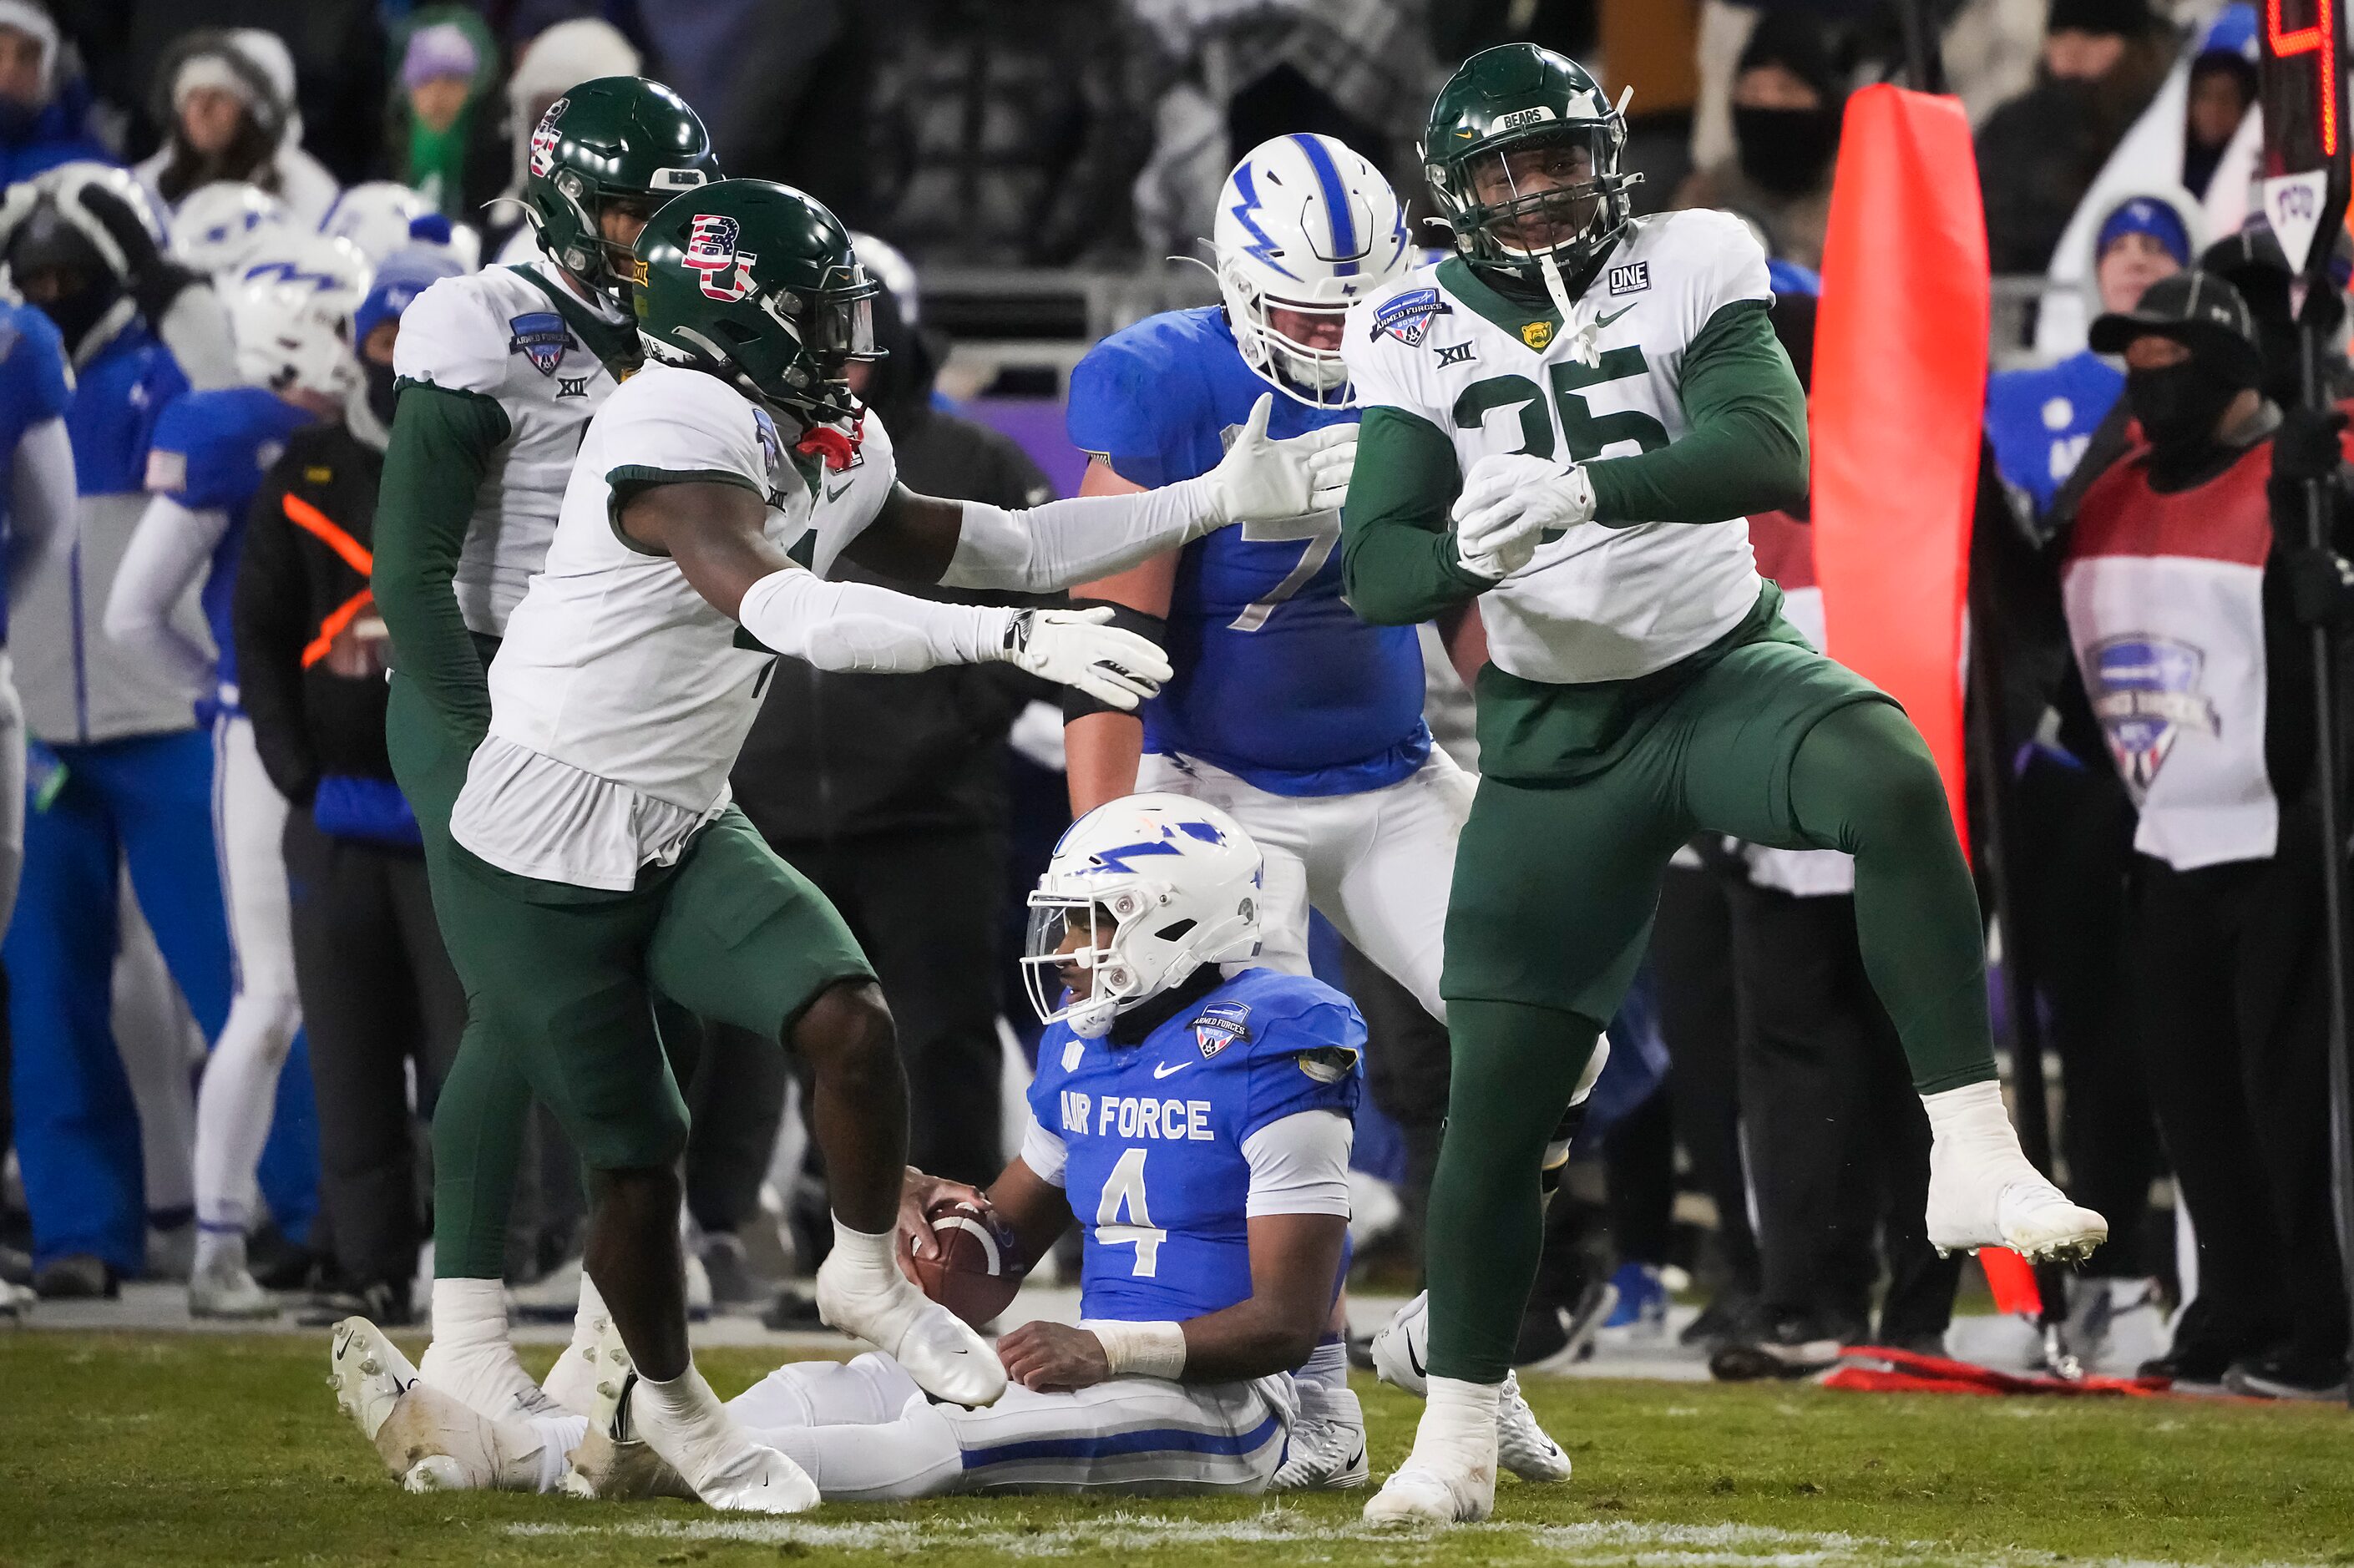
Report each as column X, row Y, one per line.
column 1458, row 1425
column 220, row 1248
column 868, row 1256
column 471, row 1356
column 683, row 1422
column 1327, row 1366
column 1974, row 1113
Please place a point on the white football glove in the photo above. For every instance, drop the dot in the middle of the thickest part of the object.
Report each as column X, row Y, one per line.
column 1510, row 501
column 1075, row 648
column 1263, row 478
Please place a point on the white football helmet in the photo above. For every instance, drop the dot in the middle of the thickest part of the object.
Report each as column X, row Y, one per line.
column 374, row 216
column 290, row 311
column 220, row 226
column 1304, row 225
column 1156, row 885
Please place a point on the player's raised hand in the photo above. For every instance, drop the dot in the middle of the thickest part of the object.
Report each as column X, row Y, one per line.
column 1331, row 454
column 1510, row 501
column 1263, row 478
column 1075, row 648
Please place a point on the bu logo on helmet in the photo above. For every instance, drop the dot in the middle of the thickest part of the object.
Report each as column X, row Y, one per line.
column 711, row 250
column 543, row 140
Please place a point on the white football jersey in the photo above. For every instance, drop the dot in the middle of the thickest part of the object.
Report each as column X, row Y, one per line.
column 1600, row 602
column 511, row 335
column 613, row 664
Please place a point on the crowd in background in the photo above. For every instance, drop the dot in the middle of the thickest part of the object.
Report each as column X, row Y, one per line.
column 1755, row 1139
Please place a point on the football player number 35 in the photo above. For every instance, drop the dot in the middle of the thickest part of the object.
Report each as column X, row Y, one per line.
column 1584, row 432
column 1123, row 1218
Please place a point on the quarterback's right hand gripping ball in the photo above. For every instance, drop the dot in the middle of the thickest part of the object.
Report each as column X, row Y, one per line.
column 978, row 1265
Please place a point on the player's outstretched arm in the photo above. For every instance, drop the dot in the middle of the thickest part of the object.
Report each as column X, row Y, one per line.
column 442, row 444
column 168, row 552
column 1103, row 747
column 715, row 531
column 969, row 544
column 1295, row 1259
column 1401, row 561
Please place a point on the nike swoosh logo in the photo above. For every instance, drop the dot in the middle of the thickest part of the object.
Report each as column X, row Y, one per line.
column 833, row 495
column 1412, row 1360
column 1165, row 1069
column 1601, row 322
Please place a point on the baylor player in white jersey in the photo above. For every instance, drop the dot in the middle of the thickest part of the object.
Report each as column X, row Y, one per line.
column 1570, row 420
column 595, row 859
column 500, row 373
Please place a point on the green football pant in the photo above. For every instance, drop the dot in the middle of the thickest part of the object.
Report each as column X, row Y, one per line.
column 1554, row 888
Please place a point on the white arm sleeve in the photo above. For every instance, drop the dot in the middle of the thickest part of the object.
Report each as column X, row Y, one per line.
column 856, row 627
column 1299, row 1165
column 41, row 494
column 1075, row 541
column 168, row 552
column 1044, row 1153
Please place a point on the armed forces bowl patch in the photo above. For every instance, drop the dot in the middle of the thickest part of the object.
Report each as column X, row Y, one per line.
column 2146, row 695
column 540, row 337
column 1407, row 318
column 1219, row 1026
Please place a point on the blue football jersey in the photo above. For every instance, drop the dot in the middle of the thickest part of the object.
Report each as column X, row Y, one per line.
column 117, row 398
column 1276, row 680
column 1154, row 1135
column 211, row 452
column 34, row 386
column 2040, row 421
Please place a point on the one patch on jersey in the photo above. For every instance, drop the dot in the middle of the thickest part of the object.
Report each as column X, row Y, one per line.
column 166, row 471
column 1626, row 279
column 1218, row 1027
column 544, row 139
column 1536, row 335
column 1328, row 1063
column 711, row 251
column 1407, row 318
column 539, row 336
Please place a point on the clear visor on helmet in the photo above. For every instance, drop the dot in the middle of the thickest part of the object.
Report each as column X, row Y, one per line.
column 1067, row 932
column 1540, row 192
column 835, row 324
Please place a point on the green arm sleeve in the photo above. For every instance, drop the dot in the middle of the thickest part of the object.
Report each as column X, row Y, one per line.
column 1397, row 549
column 1746, row 449
column 442, row 443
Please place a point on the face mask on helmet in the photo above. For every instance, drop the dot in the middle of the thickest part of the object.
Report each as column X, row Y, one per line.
column 1541, row 196
column 834, row 327
column 1293, row 341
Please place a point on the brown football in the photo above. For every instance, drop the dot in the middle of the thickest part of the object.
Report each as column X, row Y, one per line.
column 979, row 1266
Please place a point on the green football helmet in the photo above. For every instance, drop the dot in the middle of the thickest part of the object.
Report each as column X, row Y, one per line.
column 1516, row 99
column 614, row 139
column 757, row 282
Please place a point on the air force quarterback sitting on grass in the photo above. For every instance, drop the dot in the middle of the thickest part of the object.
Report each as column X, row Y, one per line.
column 1199, row 1130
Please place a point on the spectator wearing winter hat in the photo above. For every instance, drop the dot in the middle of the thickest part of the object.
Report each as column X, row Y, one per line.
column 377, row 990
column 444, row 142
column 228, row 97
column 1787, row 100
column 44, row 101
column 2038, row 154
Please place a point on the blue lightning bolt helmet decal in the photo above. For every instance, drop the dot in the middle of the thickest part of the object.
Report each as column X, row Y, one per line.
column 1262, row 246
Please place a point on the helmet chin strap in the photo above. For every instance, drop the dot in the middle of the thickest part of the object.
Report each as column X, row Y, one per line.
column 1576, row 319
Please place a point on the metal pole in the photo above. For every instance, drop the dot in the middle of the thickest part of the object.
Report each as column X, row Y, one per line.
column 1990, row 757
column 2329, row 779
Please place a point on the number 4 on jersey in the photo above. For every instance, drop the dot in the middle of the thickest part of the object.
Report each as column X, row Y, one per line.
column 1124, row 1192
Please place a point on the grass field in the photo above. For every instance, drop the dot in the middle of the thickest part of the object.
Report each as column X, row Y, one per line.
column 151, row 1450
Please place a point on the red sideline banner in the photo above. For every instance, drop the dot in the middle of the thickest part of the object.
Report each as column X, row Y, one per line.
column 1899, row 398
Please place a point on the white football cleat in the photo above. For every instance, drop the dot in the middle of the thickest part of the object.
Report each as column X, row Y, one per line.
column 1522, row 1446
column 738, row 1475
column 229, row 1291
column 572, row 1381
column 1325, row 1450
column 435, row 1442
column 947, row 1360
column 1401, row 1359
column 368, row 1373
column 1983, row 1192
column 1425, row 1495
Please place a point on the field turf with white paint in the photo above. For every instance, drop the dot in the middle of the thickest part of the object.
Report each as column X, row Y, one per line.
column 163, row 1449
